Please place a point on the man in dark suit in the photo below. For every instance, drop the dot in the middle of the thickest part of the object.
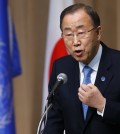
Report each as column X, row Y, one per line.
column 81, row 31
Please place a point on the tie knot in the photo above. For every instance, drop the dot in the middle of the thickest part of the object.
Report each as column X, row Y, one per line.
column 87, row 72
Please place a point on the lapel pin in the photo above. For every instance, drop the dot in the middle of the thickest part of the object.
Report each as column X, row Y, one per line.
column 103, row 78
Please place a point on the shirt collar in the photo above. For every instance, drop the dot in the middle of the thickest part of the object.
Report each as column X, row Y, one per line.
column 95, row 61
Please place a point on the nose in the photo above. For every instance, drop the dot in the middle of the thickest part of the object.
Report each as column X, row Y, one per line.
column 76, row 40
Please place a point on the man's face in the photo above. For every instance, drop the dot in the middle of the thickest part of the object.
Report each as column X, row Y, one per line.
column 81, row 42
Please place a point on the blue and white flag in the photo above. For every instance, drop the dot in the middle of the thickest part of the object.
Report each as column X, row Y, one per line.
column 9, row 67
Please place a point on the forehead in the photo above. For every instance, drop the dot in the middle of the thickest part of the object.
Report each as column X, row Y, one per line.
column 78, row 19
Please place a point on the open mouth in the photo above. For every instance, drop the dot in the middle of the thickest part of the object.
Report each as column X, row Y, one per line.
column 78, row 52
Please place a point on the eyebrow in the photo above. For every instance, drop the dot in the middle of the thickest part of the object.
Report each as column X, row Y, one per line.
column 66, row 28
column 80, row 26
column 69, row 28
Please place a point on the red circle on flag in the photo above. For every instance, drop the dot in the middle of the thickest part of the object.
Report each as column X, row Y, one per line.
column 58, row 52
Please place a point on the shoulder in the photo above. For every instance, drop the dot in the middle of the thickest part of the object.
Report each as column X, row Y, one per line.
column 110, row 54
column 65, row 64
column 110, row 51
column 66, row 60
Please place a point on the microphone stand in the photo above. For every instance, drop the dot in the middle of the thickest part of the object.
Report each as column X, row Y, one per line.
column 48, row 107
column 61, row 79
column 44, row 118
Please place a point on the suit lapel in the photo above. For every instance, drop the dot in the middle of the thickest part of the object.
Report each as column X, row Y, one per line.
column 74, row 84
column 104, row 76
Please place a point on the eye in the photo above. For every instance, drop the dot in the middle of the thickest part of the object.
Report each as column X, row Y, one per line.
column 81, row 33
column 69, row 34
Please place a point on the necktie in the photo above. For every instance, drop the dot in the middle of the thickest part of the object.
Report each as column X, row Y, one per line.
column 87, row 72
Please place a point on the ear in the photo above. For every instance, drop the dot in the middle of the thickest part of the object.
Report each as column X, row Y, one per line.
column 62, row 35
column 99, row 30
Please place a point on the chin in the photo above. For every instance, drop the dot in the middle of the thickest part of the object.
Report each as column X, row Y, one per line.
column 79, row 59
column 83, row 61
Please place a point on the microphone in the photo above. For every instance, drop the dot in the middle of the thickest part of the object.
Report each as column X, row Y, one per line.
column 61, row 79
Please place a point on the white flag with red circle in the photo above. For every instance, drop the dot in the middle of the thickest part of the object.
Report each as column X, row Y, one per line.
column 55, row 47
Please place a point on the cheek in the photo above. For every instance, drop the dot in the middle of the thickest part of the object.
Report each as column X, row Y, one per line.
column 68, row 45
column 89, row 48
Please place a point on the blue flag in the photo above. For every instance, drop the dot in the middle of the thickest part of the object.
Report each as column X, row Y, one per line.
column 14, row 51
column 9, row 67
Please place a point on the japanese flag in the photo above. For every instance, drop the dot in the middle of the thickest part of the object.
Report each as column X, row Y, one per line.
column 55, row 45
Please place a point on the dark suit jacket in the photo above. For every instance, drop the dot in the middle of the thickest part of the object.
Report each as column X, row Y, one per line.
column 67, row 112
